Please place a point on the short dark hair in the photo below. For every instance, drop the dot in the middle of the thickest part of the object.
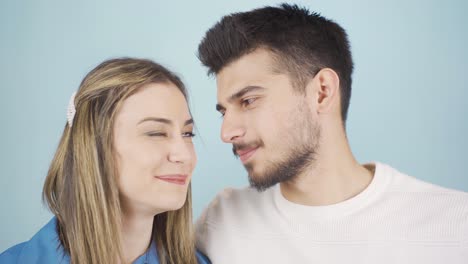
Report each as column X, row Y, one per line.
column 301, row 42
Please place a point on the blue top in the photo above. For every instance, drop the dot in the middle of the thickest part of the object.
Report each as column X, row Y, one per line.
column 44, row 247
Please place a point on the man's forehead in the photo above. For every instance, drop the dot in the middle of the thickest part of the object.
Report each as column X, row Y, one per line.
column 229, row 92
column 249, row 70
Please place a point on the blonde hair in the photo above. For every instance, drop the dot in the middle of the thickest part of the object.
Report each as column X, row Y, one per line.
column 81, row 185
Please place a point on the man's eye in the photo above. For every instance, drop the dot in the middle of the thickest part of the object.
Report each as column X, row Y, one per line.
column 248, row 101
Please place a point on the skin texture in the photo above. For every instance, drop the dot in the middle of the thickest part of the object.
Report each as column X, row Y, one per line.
column 284, row 136
column 273, row 130
column 153, row 138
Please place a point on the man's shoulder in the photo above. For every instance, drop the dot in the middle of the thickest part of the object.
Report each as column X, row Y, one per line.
column 428, row 203
column 237, row 208
column 407, row 184
column 241, row 195
column 234, row 212
column 239, row 201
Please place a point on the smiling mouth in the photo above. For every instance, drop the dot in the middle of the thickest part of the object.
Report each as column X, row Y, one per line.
column 245, row 154
column 178, row 179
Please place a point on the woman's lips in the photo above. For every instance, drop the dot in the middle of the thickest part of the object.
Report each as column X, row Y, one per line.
column 178, row 179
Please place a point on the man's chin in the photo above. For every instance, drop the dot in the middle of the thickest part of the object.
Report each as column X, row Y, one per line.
column 264, row 178
column 260, row 182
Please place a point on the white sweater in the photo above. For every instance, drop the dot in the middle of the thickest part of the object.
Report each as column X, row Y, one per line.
column 396, row 219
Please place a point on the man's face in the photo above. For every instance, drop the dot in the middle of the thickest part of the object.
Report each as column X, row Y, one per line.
column 270, row 125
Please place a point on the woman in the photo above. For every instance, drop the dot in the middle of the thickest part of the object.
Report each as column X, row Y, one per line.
column 119, row 184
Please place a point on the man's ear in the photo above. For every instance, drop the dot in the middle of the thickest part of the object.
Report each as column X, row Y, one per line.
column 326, row 88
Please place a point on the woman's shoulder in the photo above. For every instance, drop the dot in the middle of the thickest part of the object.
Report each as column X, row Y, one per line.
column 11, row 255
column 202, row 259
column 43, row 247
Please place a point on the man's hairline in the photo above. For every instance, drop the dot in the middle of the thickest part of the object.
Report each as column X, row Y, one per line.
column 277, row 68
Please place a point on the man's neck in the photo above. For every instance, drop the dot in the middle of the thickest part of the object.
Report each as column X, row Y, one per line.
column 334, row 177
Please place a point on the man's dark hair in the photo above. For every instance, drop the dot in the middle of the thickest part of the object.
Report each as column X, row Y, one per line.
column 301, row 42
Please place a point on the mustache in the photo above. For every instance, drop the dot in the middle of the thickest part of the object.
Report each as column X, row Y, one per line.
column 241, row 146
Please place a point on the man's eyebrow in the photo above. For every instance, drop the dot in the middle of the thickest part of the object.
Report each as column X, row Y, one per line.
column 239, row 94
column 243, row 91
column 164, row 120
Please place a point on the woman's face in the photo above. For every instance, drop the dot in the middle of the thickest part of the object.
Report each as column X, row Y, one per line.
column 154, row 150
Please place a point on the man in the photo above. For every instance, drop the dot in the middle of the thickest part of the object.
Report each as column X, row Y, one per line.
column 284, row 85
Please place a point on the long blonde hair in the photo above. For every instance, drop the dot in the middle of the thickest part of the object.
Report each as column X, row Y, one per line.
column 81, row 185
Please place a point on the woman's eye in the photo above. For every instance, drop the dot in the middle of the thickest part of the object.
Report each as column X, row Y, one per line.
column 188, row 134
column 156, row 134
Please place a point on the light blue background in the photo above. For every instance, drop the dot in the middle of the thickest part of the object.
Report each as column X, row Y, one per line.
column 408, row 106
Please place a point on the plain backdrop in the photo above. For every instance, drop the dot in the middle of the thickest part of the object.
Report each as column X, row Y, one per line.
column 408, row 106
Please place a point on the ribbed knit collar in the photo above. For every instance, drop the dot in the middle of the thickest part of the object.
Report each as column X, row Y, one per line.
column 303, row 214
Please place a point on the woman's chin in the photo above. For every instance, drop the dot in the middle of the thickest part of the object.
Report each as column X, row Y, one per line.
column 170, row 204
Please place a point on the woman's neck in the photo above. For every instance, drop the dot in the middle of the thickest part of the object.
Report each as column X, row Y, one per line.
column 136, row 235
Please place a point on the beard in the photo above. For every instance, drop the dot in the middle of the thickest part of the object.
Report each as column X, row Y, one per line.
column 298, row 154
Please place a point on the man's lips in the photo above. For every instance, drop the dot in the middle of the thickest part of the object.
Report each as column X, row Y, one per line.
column 245, row 154
column 179, row 179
